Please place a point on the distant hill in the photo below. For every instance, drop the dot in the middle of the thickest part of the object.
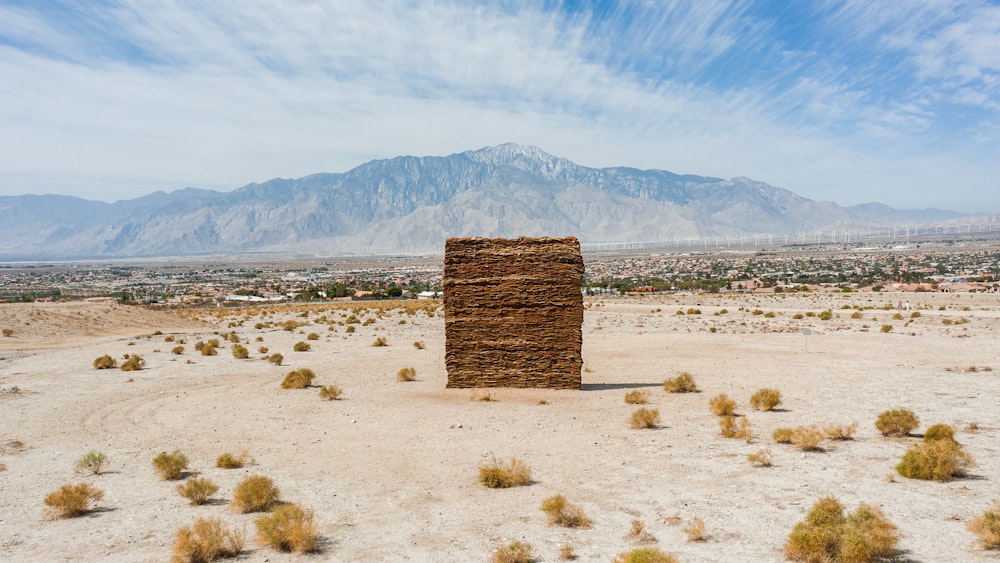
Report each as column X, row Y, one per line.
column 409, row 203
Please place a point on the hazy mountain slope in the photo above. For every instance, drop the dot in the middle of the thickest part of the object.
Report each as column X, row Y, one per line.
column 410, row 203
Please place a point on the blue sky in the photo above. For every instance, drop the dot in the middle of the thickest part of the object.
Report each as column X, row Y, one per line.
column 847, row 101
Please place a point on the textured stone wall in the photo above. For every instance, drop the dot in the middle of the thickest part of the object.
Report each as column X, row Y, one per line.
column 513, row 312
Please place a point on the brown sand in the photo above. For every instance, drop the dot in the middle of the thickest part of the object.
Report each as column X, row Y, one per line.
column 391, row 469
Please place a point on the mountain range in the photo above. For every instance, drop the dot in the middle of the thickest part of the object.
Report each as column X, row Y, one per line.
column 408, row 204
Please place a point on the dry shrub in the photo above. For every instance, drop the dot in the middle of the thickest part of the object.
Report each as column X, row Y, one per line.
column 783, row 435
column 761, row 458
column 637, row 397
column 566, row 553
column 808, row 438
column 298, row 379
column 940, row 432
column 105, row 362
column 289, row 528
column 177, row 350
column 498, row 476
column 644, row 418
column 637, row 532
column 92, row 462
column 330, row 392
column 134, row 363
column 301, row 346
column 256, row 493
column 419, row 345
column 262, row 349
column 350, row 329
column 722, row 405
column 765, row 399
column 229, row 461
column 987, row 527
column 209, row 350
column 841, row 432
column 380, row 341
column 197, row 490
column 406, row 374
column 683, row 383
column 276, row 359
column 481, row 396
column 827, row 535
column 171, row 465
column 886, row 328
column 8, row 332
column 73, row 500
column 939, row 460
column 564, row 513
column 312, row 336
column 515, row 552
column 206, row 540
column 645, row 555
column 898, row 422
column 240, row 352
column 695, row 530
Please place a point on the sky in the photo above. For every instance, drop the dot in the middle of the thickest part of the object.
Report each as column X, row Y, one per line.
column 848, row 101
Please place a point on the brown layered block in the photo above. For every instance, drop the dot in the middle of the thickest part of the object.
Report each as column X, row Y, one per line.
column 513, row 312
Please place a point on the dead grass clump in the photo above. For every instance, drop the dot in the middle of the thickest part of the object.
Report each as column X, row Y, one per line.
column 330, row 392
column 255, row 493
column 206, row 540
column 301, row 346
column 564, row 513
column 380, row 341
column 515, row 552
column 645, row 555
column 762, row 458
column 722, row 405
column 289, row 528
column 644, row 418
column 841, row 432
column 765, row 399
column 940, row 432
column 298, row 379
column 898, row 422
column 637, row 532
column 940, row 460
column 783, row 435
column 197, row 490
column 695, row 530
column 987, row 527
column 406, row 374
column 171, row 465
column 276, row 359
column 827, row 535
column 240, row 352
column 105, row 362
column 498, row 476
column 134, row 363
column 683, row 383
column 637, row 397
column 567, row 553
column 808, row 438
column 419, row 345
column 92, row 462
column 229, row 461
column 71, row 501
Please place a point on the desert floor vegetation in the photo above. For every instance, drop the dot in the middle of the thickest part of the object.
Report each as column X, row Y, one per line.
column 645, row 555
column 255, row 493
column 170, row 466
column 637, row 397
column 936, row 459
column 827, row 534
column 197, row 490
column 298, row 379
column 330, row 392
column 765, row 399
column 105, row 362
column 207, row 539
column 683, row 383
column 406, row 374
column 897, row 422
column 515, row 552
column 289, row 527
column 563, row 513
column 644, row 419
column 71, row 501
column 92, row 463
column 227, row 460
column 497, row 475
column 722, row 405
column 986, row 527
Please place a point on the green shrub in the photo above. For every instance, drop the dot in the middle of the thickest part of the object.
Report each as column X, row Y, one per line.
column 499, row 476
column 722, row 405
column 105, row 362
column 939, row 460
column 206, row 540
column 765, row 399
column 564, row 513
column 515, row 552
column 987, row 527
column 197, row 490
column 298, row 379
column 301, row 346
column 8, row 332
column 171, row 465
column 683, row 383
column 645, row 555
column 940, row 432
column 898, row 422
column 255, row 493
column 827, row 534
column 92, row 462
column 644, row 418
column 73, row 500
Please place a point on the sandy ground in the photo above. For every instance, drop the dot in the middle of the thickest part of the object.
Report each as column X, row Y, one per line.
column 391, row 468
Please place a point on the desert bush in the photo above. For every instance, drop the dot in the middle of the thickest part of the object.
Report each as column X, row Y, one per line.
column 856, row 315
column 765, row 399
column 240, row 352
column 898, row 422
column 233, row 337
column 722, row 405
column 209, row 350
column 73, row 500
column 827, row 534
column 498, row 476
column 637, row 397
column 729, row 428
column 695, row 530
column 229, row 461
column 419, row 345
column 515, row 552
column 940, row 432
column 841, row 432
column 213, row 342
column 683, row 383
column 197, row 490
column 276, row 359
column 783, row 435
column 330, row 392
column 350, row 329
column 986, row 527
column 262, row 350
column 886, row 328
column 177, row 350
column 298, row 379
column 644, row 418
column 134, row 363
column 206, row 540
column 380, row 341
column 199, row 345
column 566, row 553
column 762, row 458
column 564, row 513
column 797, row 316
column 8, row 332
column 255, row 493
column 693, row 311
column 939, row 460
column 312, row 336
column 301, row 346
column 645, row 555
column 105, row 362
column 406, row 374
column 289, row 528
column 825, row 315
column 171, row 465
column 808, row 438
column 92, row 462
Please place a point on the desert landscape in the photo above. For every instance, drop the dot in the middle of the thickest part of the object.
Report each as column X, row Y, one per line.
column 390, row 468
